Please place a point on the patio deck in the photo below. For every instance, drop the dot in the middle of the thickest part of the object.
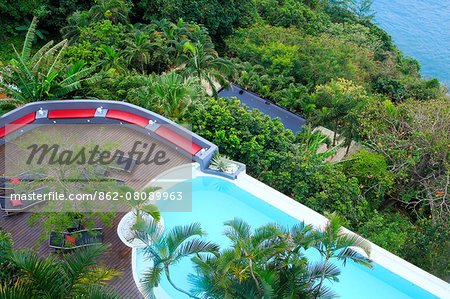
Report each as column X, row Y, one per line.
column 119, row 255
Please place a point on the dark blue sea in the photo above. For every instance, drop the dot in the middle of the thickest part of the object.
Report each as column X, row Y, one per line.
column 421, row 29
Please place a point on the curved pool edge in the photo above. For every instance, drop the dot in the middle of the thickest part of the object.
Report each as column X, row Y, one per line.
column 384, row 258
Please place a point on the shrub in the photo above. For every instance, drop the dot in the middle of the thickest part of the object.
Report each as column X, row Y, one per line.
column 310, row 60
column 427, row 246
column 221, row 163
column 371, row 170
column 7, row 270
column 389, row 230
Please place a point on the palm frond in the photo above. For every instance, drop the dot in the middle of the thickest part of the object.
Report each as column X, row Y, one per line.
column 152, row 277
column 179, row 234
column 18, row 290
column 29, row 39
column 152, row 210
column 76, row 264
column 358, row 258
column 99, row 275
column 39, row 54
column 195, row 246
column 238, row 229
column 56, row 60
column 66, row 89
column 96, row 292
column 45, row 277
column 148, row 231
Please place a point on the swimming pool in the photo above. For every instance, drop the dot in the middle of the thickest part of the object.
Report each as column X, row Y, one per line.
column 216, row 200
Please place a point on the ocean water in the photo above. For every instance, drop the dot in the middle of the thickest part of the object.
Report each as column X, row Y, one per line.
column 215, row 201
column 421, row 29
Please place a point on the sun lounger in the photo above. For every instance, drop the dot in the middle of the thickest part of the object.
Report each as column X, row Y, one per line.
column 9, row 182
column 14, row 205
column 77, row 239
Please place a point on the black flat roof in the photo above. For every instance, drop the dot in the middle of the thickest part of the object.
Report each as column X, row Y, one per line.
column 290, row 120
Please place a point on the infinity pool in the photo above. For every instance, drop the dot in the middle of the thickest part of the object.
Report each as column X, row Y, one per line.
column 215, row 201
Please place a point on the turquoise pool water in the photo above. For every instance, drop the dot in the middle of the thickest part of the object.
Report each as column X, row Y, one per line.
column 216, row 200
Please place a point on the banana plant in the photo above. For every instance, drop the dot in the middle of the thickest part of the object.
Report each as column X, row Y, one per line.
column 42, row 75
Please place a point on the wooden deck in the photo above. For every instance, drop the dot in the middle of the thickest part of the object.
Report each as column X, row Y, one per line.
column 119, row 255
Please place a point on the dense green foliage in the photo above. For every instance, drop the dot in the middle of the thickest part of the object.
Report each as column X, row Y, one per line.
column 42, row 76
column 7, row 268
column 76, row 275
column 324, row 60
column 309, row 59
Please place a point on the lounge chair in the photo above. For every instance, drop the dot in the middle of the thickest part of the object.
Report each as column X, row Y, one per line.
column 77, row 239
column 9, row 182
column 12, row 206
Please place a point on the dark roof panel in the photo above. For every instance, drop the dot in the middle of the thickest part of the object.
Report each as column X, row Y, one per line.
column 290, row 120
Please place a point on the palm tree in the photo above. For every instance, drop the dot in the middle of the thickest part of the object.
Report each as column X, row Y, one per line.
column 138, row 49
column 112, row 59
column 334, row 243
column 251, row 246
column 76, row 275
column 114, row 10
column 77, row 20
column 168, row 248
column 201, row 61
column 308, row 143
column 141, row 207
column 262, row 263
column 170, row 95
column 336, row 101
column 42, row 76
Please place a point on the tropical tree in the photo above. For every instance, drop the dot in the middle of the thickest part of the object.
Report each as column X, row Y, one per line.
column 141, row 207
column 337, row 102
column 414, row 138
column 42, row 76
column 112, row 60
column 78, row 274
column 334, row 243
column 202, row 62
column 309, row 142
column 168, row 248
column 263, row 263
column 138, row 49
column 77, row 20
column 114, row 10
column 169, row 95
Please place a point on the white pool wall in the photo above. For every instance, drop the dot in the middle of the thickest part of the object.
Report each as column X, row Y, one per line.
column 393, row 263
